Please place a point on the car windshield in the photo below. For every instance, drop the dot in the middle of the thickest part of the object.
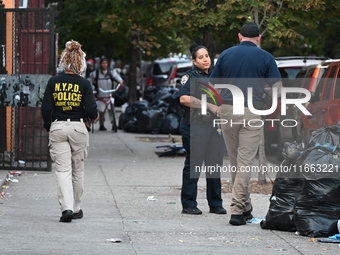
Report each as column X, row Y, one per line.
column 162, row 68
column 289, row 74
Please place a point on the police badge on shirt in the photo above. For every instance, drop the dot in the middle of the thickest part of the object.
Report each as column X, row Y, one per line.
column 185, row 79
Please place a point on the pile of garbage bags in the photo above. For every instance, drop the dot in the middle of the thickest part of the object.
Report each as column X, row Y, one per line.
column 158, row 113
column 305, row 196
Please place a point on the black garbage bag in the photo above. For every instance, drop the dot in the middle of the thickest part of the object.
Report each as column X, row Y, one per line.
column 163, row 94
column 175, row 105
column 328, row 134
column 150, row 121
column 317, row 205
column 130, row 124
column 292, row 151
column 170, row 124
column 121, row 120
column 121, row 95
column 131, row 115
column 162, row 105
column 134, row 109
column 150, row 93
column 280, row 215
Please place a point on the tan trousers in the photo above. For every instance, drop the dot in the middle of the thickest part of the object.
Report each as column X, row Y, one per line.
column 242, row 141
column 68, row 143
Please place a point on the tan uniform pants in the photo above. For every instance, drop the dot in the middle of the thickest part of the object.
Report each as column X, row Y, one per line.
column 68, row 142
column 242, row 141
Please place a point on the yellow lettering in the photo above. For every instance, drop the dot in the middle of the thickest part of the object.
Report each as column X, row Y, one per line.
column 74, row 97
column 70, row 86
column 73, row 103
column 60, row 96
column 60, row 103
column 64, row 86
column 57, row 87
column 55, row 96
column 67, row 108
column 80, row 96
column 66, row 96
column 76, row 88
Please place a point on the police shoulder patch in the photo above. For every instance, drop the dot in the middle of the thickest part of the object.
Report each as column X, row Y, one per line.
column 184, row 79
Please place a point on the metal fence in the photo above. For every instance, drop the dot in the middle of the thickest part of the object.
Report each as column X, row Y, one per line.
column 27, row 60
column 27, row 41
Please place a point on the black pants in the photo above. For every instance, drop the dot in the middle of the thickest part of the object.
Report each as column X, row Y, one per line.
column 203, row 145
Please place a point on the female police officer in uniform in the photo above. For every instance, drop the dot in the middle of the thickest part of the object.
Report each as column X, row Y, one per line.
column 67, row 101
column 201, row 140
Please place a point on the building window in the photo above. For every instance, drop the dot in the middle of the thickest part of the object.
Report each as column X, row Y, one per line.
column 23, row 3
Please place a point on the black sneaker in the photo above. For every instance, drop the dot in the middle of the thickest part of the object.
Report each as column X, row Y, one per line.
column 102, row 128
column 78, row 215
column 66, row 216
column 237, row 220
column 247, row 215
column 218, row 210
column 191, row 210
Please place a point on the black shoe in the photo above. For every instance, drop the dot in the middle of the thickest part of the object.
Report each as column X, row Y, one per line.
column 247, row 215
column 218, row 210
column 102, row 128
column 66, row 216
column 78, row 215
column 237, row 220
column 191, row 210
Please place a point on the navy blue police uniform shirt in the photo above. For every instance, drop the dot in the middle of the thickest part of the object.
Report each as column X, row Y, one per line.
column 185, row 81
column 245, row 65
column 188, row 89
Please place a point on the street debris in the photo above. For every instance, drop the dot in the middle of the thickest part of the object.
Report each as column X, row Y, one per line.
column 12, row 180
column 21, row 162
column 175, row 149
column 114, row 240
column 331, row 239
column 13, row 174
column 151, row 198
column 256, row 220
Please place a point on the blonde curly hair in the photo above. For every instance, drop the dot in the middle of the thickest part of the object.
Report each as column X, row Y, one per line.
column 73, row 58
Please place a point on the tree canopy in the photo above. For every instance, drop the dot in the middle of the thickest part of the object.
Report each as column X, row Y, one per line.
column 135, row 30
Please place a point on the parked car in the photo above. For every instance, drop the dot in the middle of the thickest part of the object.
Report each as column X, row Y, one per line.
column 289, row 67
column 307, row 78
column 324, row 104
column 167, row 71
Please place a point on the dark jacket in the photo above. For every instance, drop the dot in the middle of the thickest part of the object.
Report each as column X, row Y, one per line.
column 68, row 96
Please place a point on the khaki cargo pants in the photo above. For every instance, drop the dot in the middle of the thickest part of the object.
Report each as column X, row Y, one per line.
column 68, row 143
column 242, row 141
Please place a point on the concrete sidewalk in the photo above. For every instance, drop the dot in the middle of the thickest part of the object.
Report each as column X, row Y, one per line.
column 121, row 173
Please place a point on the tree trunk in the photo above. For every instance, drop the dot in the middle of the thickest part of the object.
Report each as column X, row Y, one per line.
column 134, row 55
column 208, row 40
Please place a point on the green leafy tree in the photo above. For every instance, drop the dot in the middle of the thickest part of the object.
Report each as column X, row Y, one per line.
column 77, row 20
column 141, row 24
column 132, row 30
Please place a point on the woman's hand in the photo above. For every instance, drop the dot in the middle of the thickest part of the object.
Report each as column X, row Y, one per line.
column 96, row 118
column 214, row 109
